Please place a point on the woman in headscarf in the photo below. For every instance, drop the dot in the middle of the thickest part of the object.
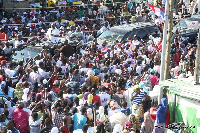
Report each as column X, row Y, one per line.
column 85, row 97
column 101, row 116
column 138, row 97
column 161, row 116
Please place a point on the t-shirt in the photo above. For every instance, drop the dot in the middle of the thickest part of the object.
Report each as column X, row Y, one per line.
column 137, row 100
column 79, row 121
column 104, row 97
column 96, row 98
column 34, row 125
column 94, row 79
column 111, row 112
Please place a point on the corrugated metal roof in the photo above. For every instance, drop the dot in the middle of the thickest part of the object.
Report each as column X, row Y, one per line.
column 182, row 88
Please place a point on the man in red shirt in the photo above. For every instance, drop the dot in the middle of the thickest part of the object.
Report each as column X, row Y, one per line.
column 95, row 97
column 3, row 36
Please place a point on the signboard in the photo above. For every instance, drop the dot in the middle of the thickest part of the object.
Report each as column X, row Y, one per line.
column 61, row 3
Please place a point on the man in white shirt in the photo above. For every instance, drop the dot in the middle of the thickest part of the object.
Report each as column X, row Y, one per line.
column 105, row 27
column 34, row 76
column 53, row 33
column 19, row 42
column 104, row 97
column 7, row 49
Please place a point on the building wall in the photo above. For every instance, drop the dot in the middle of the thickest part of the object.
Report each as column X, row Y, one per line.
column 9, row 5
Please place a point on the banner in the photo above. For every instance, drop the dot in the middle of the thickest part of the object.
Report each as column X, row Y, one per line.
column 160, row 12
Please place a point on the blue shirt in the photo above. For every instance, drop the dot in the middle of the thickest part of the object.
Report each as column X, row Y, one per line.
column 79, row 121
column 137, row 100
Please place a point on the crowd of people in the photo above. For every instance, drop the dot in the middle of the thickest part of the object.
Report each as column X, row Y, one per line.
column 99, row 88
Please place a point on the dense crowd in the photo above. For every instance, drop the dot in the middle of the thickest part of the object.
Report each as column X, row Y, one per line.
column 96, row 88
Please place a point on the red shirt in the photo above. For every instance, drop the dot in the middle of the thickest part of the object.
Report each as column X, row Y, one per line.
column 96, row 98
column 56, row 90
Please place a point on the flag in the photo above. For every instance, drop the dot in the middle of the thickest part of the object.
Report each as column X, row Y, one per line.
column 160, row 12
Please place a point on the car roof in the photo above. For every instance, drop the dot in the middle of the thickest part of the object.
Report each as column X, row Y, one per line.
column 193, row 18
column 129, row 27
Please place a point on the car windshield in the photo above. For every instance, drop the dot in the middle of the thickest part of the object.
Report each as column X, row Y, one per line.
column 111, row 36
column 182, row 24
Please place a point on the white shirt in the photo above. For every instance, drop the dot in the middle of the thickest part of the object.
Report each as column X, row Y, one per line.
column 111, row 112
column 157, row 68
column 54, row 32
column 18, row 43
column 104, row 97
column 9, row 72
column 25, row 95
column 34, row 125
column 104, row 28
column 43, row 73
column 139, row 70
column 150, row 48
column 58, row 63
column 34, row 77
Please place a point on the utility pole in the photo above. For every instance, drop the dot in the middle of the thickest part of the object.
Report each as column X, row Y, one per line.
column 196, row 71
column 164, row 41
column 169, row 40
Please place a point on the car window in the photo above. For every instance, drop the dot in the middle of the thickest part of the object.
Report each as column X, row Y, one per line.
column 182, row 24
column 111, row 36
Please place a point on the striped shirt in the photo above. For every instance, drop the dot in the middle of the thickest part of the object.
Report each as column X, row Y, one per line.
column 137, row 100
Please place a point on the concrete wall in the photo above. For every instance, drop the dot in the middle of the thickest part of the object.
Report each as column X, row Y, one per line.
column 9, row 5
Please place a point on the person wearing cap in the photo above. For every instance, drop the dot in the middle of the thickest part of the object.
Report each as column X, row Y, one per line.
column 154, row 79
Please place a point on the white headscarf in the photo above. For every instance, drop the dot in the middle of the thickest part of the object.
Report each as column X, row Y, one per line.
column 89, row 111
column 101, row 114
